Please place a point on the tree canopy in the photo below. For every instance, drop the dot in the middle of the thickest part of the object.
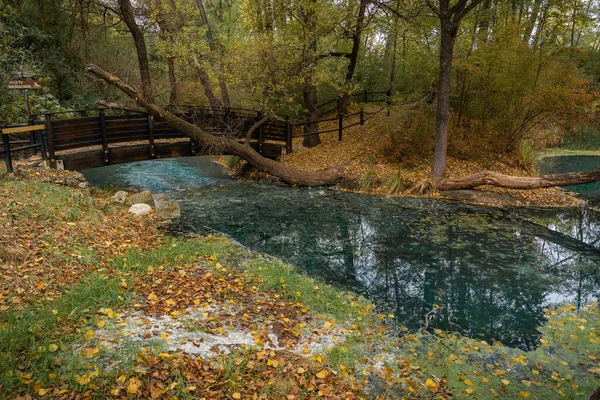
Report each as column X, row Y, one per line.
column 505, row 68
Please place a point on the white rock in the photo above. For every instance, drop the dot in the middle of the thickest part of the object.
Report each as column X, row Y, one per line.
column 84, row 185
column 140, row 209
column 119, row 197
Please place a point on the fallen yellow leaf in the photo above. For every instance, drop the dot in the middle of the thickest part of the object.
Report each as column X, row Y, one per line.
column 322, row 374
column 132, row 388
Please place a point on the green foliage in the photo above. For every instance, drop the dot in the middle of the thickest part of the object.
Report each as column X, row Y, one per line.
column 506, row 89
column 231, row 161
column 367, row 180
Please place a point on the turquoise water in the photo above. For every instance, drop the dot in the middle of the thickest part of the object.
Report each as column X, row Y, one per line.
column 488, row 273
column 573, row 163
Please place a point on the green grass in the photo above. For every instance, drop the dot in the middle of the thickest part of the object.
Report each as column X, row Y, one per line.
column 555, row 152
column 319, row 297
column 394, row 183
column 367, row 180
column 37, row 340
column 50, row 203
column 561, row 367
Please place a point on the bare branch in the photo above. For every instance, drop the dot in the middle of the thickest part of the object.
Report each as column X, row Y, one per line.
column 458, row 7
column 433, row 8
column 461, row 14
column 254, row 128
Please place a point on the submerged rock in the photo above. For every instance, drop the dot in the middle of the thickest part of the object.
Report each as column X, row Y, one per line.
column 145, row 197
column 168, row 209
column 140, row 209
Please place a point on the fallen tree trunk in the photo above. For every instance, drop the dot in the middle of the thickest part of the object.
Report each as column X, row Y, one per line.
column 491, row 178
column 223, row 145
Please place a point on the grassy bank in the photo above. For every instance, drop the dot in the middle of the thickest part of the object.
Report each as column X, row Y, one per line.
column 97, row 303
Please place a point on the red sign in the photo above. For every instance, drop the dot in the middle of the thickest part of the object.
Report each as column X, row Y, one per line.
column 24, row 85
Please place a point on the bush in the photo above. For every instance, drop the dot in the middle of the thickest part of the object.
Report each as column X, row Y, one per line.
column 412, row 133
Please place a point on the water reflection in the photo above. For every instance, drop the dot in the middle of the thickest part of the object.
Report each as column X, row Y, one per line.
column 486, row 273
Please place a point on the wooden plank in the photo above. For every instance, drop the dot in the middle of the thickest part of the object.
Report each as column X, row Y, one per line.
column 78, row 145
column 82, row 160
column 73, row 121
column 19, row 129
column 75, row 135
column 74, row 129
column 131, row 135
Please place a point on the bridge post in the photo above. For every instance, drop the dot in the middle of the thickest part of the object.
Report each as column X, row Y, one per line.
column 151, row 150
column 340, row 126
column 40, row 138
column 288, row 136
column 50, row 138
column 261, row 132
column 102, row 119
column 366, row 95
column 7, row 155
column 388, row 100
column 362, row 120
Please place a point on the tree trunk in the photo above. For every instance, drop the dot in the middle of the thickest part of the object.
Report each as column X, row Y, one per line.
column 172, row 81
column 310, row 102
column 448, row 33
column 310, row 89
column 518, row 182
column 212, row 45
column 140, row 46
column 360, row 19
column 535, row 9
column 205, row 82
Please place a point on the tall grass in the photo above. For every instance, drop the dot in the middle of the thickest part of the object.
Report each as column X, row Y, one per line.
column 586, row 138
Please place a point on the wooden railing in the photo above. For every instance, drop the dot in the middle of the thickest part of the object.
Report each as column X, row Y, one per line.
column 363, row 96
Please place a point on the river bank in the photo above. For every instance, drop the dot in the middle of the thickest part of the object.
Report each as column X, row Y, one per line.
column 135, row 313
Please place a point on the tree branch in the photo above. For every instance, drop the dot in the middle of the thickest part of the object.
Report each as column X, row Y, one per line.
column 433, row 8
column 457, row 7
column 460, row 15
column 122, row 107
column 333, row 54
column 253, row 128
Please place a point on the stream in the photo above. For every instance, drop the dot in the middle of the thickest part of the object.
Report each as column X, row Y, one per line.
column 487, row 273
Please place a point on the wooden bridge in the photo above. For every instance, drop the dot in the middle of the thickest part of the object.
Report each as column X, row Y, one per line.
column 91, row 138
